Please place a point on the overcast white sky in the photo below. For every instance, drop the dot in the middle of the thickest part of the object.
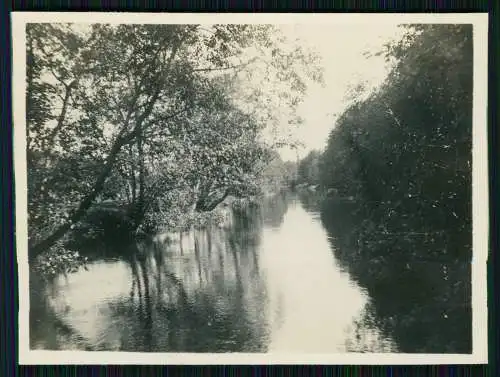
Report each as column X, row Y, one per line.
column 341, row 47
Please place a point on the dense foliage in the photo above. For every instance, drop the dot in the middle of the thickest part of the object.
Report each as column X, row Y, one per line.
column 308, row 168
column 404, row 154
column 277, row 175
column 156, row 119
column 407, row 148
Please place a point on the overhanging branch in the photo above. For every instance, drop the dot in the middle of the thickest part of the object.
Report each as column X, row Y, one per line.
column 243, row 65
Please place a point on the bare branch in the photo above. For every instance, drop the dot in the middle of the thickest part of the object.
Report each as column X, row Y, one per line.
column 243, row 65
column 156, row 94
column 62, row 115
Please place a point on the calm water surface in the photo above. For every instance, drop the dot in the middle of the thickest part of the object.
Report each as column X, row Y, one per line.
column 268, row 281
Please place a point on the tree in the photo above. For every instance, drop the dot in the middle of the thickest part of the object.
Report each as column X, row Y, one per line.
column 123, row 111
column 277, row 174
column 308, row 168
column 409, row 143
column 405, row 151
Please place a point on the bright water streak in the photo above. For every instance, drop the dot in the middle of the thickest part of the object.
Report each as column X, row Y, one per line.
column 313, row 302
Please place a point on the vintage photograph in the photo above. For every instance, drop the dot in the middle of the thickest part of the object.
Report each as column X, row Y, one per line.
column 250, row 187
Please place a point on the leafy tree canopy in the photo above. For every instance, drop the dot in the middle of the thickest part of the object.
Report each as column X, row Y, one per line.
column 131, row 112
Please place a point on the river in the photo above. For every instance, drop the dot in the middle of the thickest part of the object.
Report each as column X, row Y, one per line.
column 267, row 281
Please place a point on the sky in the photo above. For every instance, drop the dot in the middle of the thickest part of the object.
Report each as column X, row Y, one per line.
column 342, row 48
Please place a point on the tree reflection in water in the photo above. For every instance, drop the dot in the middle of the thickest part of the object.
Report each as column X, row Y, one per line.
column 419, row 295
column 200, row 293
column 195, row 303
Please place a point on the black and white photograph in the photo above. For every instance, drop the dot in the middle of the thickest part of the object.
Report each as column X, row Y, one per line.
column 243, row 188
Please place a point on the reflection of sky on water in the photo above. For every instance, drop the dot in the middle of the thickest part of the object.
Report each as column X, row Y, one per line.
column 84, row 301
column 317, row 302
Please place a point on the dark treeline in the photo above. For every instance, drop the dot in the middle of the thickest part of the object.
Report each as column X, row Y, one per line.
column 402, row 154
column 308, row 169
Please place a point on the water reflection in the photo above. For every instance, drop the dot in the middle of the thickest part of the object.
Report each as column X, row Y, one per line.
column 265, row 282
column 315, row 304
column 418, row 296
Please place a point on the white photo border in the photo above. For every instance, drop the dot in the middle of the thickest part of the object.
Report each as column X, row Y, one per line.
column 479, row 189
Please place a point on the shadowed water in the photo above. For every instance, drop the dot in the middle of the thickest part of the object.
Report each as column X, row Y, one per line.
column 268, row 281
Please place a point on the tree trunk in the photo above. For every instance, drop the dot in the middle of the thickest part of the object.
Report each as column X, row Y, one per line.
column 133, row 186
column 62, row 115
column 139, row 215
column 208, row 203
column 84, row 205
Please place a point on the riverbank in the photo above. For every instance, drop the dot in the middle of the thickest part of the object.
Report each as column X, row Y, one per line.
column 109, row 221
